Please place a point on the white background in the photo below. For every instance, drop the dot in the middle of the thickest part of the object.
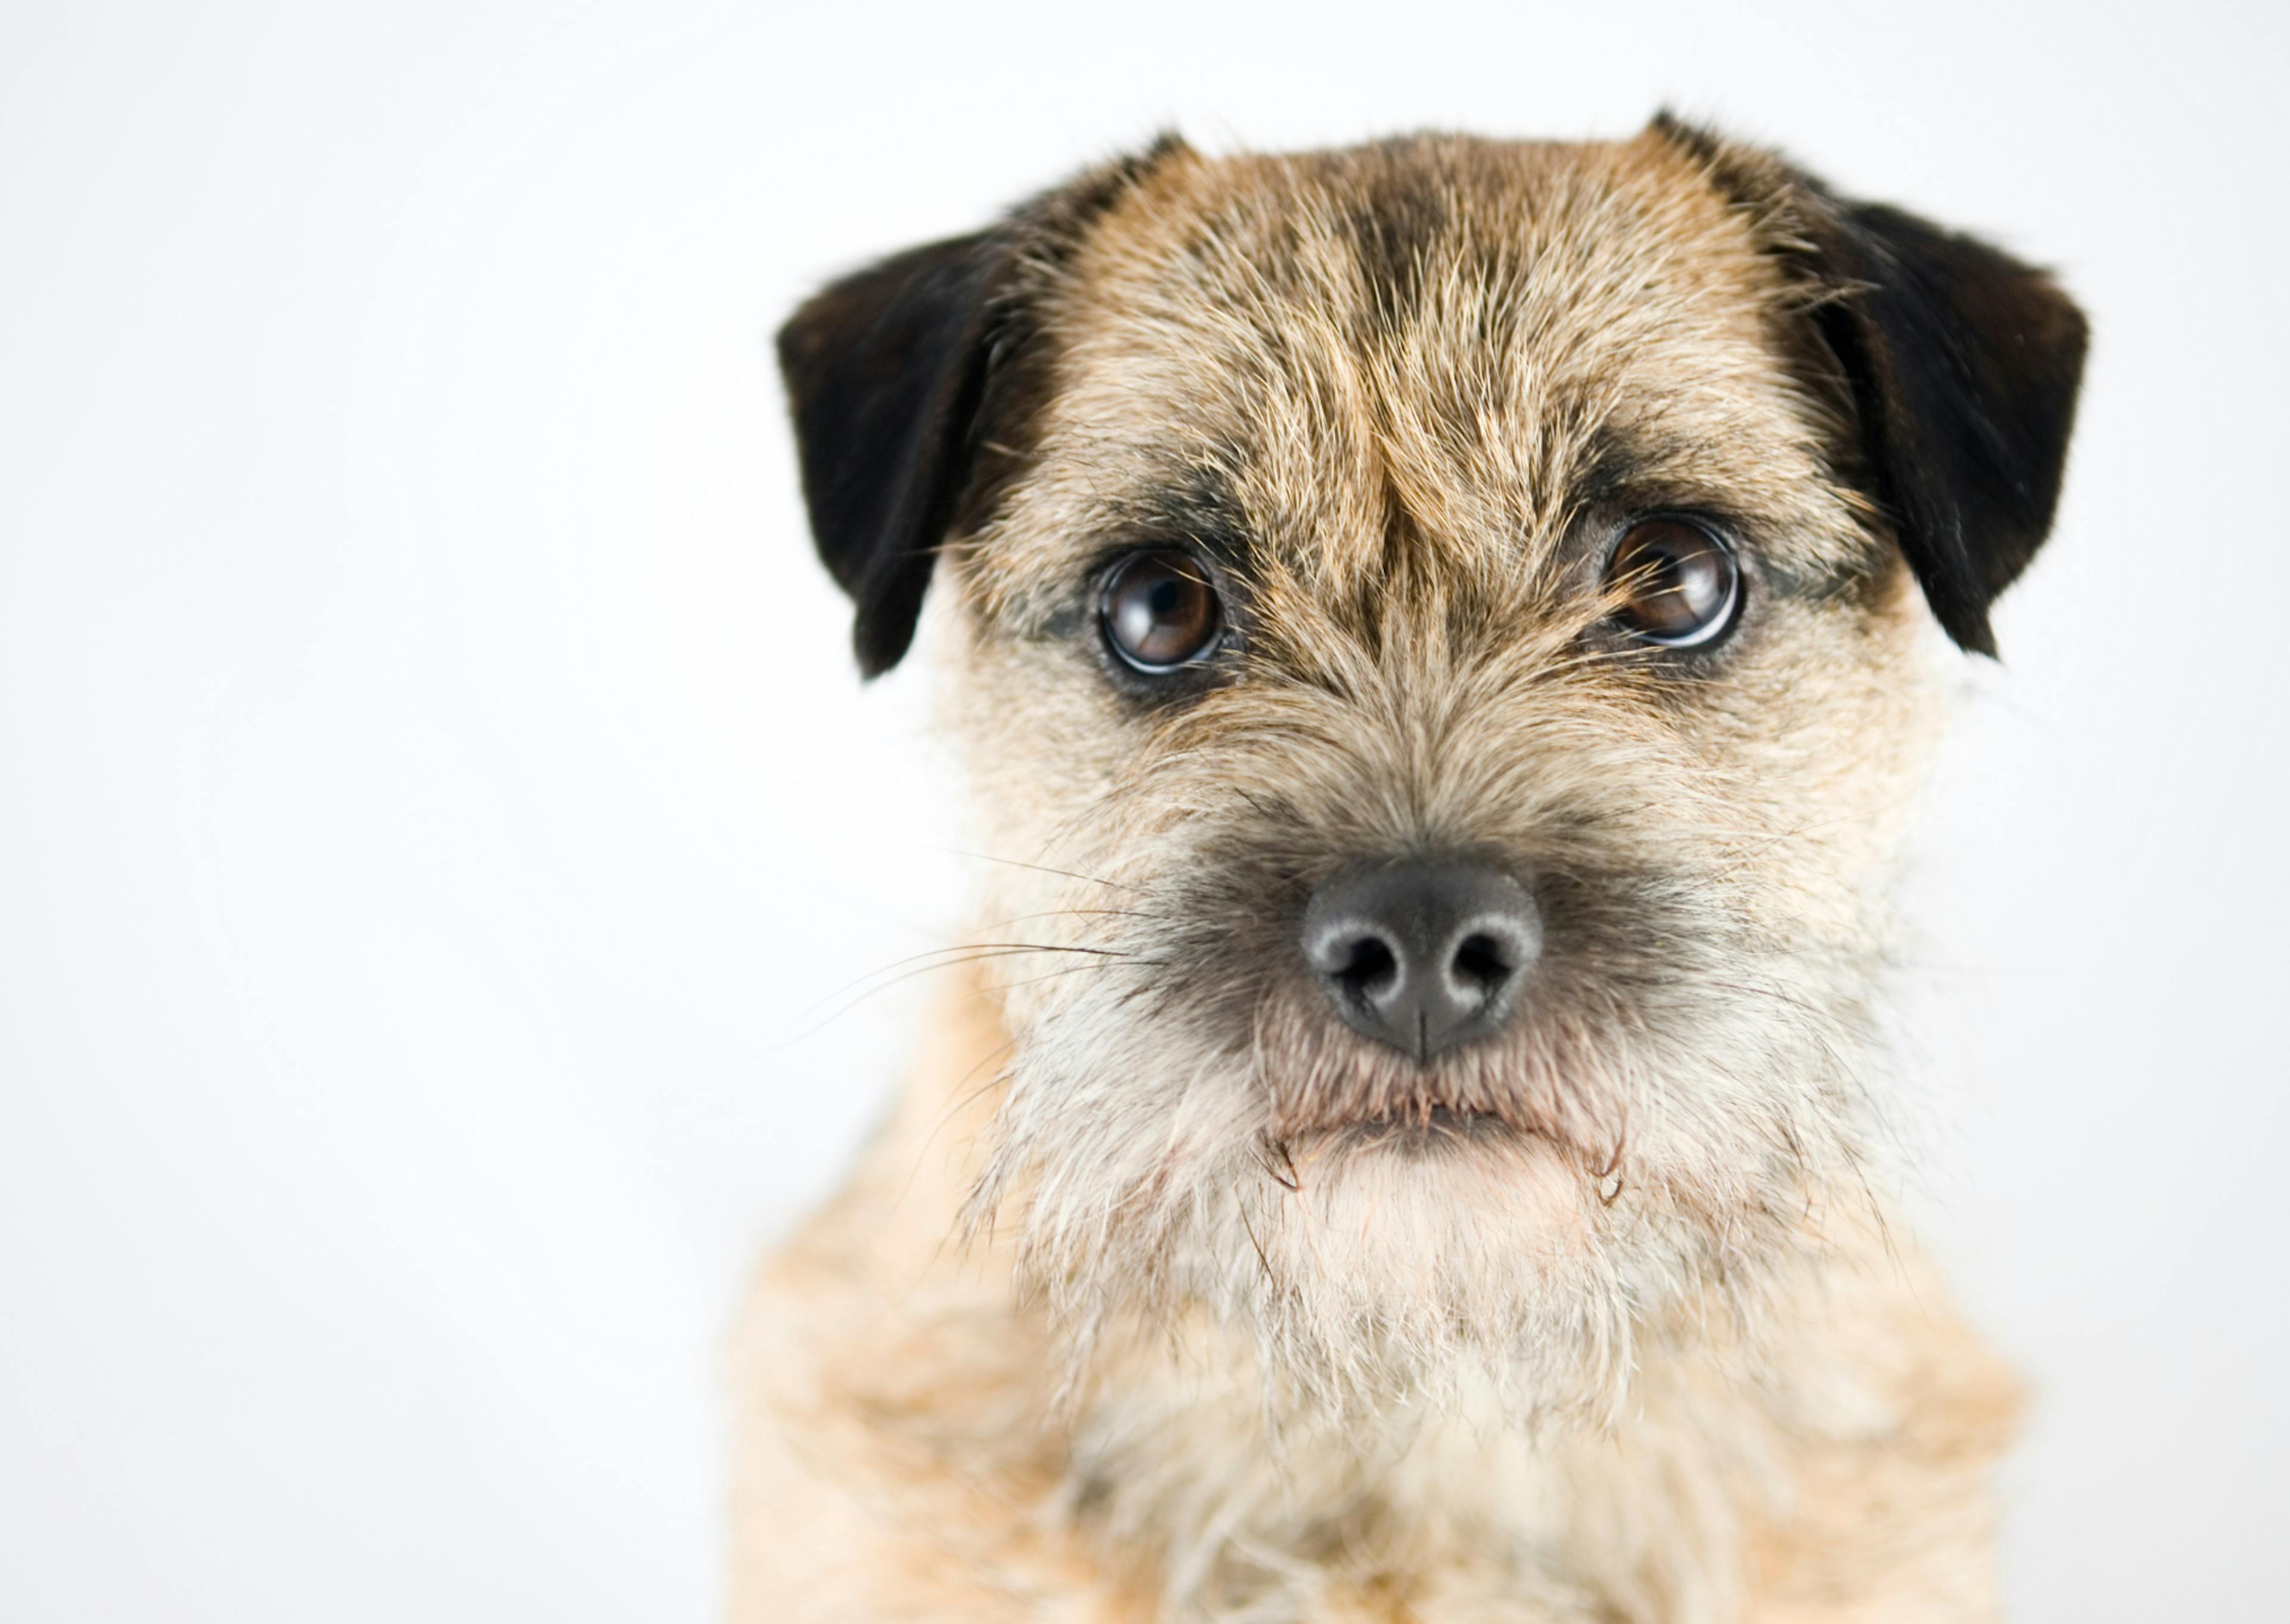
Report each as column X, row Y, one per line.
column 436, row 789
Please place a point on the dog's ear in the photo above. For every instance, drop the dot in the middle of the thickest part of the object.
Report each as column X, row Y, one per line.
column 1964, row 365
column 884, row 373
column 910, row 382
column 1961, row 363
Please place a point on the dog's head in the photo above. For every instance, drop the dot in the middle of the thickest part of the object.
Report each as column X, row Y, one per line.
column 1437, row 629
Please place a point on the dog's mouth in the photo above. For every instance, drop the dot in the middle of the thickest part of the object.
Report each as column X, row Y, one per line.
column 1430, row 1134
column 1427, row 1132
column 1346, row 1100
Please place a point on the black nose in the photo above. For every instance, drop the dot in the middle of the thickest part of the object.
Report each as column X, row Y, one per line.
column 1422, row 955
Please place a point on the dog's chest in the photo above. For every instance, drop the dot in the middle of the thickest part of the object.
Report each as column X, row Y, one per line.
column 1215, row 1509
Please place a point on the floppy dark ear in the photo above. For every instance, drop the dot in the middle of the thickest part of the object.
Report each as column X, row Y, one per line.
column 1963, row 364
column 884, row 373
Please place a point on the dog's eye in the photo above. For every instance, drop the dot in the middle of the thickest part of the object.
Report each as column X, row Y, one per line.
column 1674, row 583
column 1160, row 611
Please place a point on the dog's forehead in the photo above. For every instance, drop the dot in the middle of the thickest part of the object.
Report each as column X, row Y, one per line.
column 1472, row 340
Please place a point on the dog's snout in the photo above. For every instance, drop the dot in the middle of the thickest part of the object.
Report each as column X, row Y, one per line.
column 1422, row 957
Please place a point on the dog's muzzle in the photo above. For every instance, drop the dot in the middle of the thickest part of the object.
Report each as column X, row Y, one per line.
column 1422, row 957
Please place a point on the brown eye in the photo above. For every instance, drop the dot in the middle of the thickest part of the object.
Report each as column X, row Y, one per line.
column 1677, row 585
column 1160, row 611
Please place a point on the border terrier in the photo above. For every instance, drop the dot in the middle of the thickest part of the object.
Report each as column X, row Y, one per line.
column 1441, row 637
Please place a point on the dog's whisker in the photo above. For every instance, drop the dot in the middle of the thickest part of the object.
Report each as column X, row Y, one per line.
column 1012, row 862
column 951, row 954
column 959, row 957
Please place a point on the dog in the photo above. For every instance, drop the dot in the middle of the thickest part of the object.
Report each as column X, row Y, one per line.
column 1444, row 636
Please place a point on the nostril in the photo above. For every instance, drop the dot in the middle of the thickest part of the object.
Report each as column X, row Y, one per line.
column 1369, row 970
column 1484, row 962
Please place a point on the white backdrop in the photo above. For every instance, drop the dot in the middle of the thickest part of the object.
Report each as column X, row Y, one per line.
column 437, row 791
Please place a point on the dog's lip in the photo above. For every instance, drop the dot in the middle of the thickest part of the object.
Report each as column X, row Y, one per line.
column 1417, row 1131
column 1441, row 1119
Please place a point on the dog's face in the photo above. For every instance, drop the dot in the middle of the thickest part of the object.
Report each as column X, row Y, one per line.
column 1438, row 633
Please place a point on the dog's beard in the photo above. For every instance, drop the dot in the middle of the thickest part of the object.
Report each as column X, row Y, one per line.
column 1506, row 1221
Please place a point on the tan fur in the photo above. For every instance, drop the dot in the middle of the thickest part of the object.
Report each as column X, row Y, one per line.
column 1161, row 1296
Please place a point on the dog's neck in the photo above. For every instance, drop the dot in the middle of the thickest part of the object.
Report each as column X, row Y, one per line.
column 1168, row 1454
column 1184, row 1463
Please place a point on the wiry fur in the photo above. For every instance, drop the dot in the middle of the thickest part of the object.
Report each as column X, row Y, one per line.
column 1254, row 1319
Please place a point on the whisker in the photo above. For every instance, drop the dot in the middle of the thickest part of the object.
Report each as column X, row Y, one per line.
column 957, row 948
column 1052, row 975
column 1080, row 913
column 977, row 953
column 1012, row 862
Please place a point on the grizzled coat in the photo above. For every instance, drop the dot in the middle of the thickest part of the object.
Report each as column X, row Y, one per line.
column 1164, row 1295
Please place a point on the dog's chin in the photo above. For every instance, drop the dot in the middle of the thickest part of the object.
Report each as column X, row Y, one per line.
column 1454, row 1220
column 1430, row 1258
column 1395, row 1192
column 1418, row 1259
column 1371, row 1226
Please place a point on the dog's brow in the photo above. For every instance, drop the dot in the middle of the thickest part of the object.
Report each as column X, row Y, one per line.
column 1625, row 472
column 1197, row 506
